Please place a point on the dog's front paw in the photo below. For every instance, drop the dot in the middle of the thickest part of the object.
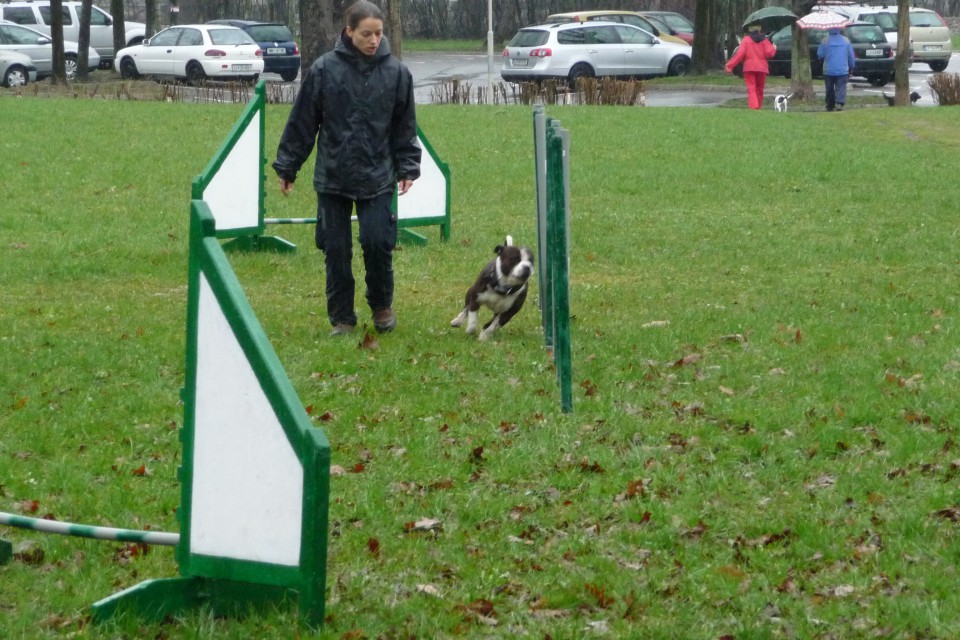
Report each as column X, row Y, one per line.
column 458, row 321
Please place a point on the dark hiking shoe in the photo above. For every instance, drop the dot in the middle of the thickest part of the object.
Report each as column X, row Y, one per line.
column 342, row 329
column 384, row 320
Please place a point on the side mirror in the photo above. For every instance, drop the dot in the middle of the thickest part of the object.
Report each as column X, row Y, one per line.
column 146, row 42
column 43, row 40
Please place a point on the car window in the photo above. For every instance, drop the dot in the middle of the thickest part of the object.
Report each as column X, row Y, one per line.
column 13, row 34
column 45, row 15
column 784, row 36
column 677, row 21
column 274, row 32
column 884, row 20
column 559, row 19
column 190, row 38
column 230, row 36
column 865, row 34
column 166, row 38
column 534, row 38
column 20, row 15
column 643, row 23
column 634, row 36
column 925, row 19
column 98, row 18
column 601, row 35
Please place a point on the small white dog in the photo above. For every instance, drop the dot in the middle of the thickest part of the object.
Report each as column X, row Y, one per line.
column 782, row 102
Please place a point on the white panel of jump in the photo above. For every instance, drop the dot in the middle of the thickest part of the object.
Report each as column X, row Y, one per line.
column 428, row 196
column 247, row 481
column 233, row 193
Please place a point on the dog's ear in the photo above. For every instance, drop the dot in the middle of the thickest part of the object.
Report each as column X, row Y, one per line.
column 499, row 249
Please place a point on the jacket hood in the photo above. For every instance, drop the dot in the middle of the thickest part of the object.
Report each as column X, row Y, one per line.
column 345, row 46
column 757, row 37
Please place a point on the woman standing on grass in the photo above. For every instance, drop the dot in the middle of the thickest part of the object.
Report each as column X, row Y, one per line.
column 356, row 104
column 754, row 51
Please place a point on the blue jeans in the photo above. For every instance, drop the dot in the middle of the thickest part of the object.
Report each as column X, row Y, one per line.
column 378, row 237
column 836, row 87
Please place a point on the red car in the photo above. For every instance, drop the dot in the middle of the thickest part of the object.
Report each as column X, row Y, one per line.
column 678, row 23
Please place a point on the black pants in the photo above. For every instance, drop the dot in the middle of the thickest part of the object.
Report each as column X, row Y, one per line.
column 378, row 237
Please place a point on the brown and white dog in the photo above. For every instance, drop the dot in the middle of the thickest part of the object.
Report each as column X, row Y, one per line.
column 501, row 287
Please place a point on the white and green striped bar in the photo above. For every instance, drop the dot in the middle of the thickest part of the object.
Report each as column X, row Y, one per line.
column 86, row 531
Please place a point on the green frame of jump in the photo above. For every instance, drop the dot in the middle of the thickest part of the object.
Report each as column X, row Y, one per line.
column 221, row 565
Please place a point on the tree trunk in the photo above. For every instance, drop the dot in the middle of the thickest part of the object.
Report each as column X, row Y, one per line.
column 801, row 82
column 119, row 25
column 703, row 20
column 83, row 41
column 56, row 34
column 318, row 31
column 150, row 20
column 901, row 69
column 394, row 27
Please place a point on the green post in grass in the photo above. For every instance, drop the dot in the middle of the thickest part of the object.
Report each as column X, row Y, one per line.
column 552, row 153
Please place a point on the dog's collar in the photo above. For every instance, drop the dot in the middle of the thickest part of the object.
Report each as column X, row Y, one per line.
column 508, row 291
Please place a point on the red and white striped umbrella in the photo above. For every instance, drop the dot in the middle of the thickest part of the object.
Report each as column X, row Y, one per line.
column 824, row 20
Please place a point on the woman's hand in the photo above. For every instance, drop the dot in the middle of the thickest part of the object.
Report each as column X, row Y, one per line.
column 403, row 186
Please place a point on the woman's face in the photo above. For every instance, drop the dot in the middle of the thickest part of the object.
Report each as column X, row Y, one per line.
column 367, row 36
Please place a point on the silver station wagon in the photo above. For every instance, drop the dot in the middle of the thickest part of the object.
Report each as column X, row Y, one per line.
column 591, row 49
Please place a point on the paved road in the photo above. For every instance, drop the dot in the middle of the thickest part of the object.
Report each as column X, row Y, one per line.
column 431, row 69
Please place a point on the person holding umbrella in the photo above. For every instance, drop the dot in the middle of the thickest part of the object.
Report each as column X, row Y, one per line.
column 838, row 61
column 754, row 51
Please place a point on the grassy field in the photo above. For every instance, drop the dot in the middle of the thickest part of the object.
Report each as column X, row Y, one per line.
column 766, row 355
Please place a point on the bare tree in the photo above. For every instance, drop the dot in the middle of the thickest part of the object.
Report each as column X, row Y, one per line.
column 150, row 17
column 119, row 25
column 801, row 82
column 56, row 34
column 901, row 70
column 319, row 29
column 83, row 41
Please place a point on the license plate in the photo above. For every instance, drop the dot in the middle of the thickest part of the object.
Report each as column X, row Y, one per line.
column 276, row 50
column 931, row 47
column 242, row 67
column 874, row 53
column 519, row 63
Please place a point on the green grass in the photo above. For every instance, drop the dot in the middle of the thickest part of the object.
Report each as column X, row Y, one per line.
column 765, row 355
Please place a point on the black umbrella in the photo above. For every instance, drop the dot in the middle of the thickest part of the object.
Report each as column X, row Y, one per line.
column 770, row 19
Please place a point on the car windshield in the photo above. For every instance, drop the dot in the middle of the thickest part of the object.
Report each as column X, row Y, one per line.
column 886, row 21
column 230, row 36
column 865, row 34
column 272, row 32
column 925, row 19
column 784, row 36
column 529, row 38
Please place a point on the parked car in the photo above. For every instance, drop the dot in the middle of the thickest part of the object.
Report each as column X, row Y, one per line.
column 39, row 47
column 677, row 21
column 586, row 49
column 626, row 17
column 874, row 55
column 930, row 40
column 16, row 69
column 280, row 51
column 36, row 15
column 193, row 52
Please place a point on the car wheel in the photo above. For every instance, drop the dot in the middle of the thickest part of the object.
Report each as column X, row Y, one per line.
column 70, row 66
column 580, row 70
column 15, row 76
column 289, row 76
column 679, row 66
column 938, row 65
column 128, row 69
column 878, row 80
column 195, row 72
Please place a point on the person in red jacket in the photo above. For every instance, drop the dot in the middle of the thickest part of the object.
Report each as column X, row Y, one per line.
column 754, row 51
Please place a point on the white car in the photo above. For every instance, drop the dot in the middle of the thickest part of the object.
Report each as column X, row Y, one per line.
column 39, row 46
column 16, row 69
column 194, row 52
column 591, row 49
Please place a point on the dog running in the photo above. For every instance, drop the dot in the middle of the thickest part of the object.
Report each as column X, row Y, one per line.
column 501, row 287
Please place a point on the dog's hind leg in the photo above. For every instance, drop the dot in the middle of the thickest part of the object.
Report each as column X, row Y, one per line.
column 490, row 328
column 458, row 321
